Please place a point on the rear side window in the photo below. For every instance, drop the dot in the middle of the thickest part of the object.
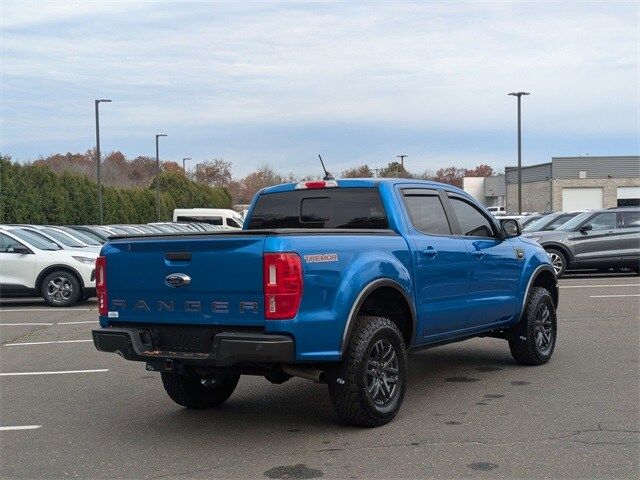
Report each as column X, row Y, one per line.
column 359, row 208
column 631, row 219
column 472, row 222
column 426, row 212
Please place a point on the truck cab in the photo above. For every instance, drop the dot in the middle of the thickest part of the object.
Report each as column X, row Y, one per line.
column 332, row 280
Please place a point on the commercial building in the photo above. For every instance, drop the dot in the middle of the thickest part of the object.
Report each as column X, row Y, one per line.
column 564, row 183
column 491, row 191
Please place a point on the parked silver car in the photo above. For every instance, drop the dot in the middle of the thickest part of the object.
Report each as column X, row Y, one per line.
column 601, row 239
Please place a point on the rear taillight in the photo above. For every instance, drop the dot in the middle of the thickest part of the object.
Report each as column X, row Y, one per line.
column 282, row 285
column 101, row 285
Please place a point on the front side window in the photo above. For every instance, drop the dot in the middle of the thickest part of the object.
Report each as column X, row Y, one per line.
column 427, row 213
column 7, row 244
column 604, row 221
column 472, row 222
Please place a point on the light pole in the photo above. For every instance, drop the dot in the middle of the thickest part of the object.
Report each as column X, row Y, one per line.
column 401, row 157
column 98, row 162
column 198, row 165
column 519, row 95
column 183, row 165
column 158, row 176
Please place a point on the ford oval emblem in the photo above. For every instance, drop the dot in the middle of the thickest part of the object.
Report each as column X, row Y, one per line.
column 177, row 279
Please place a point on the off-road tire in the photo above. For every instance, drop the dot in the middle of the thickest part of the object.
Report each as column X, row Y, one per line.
column 188, row 391
column 522, row 338
column 561, row 257
column 351, row 400
column 69, row 296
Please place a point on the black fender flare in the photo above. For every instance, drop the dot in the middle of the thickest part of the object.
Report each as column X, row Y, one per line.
column 538, row 270
column 362, row 296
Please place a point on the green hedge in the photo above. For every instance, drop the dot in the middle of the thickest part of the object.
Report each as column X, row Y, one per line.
column 35, row 194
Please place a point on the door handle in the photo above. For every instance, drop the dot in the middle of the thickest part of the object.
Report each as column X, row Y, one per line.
column 478, row 254
column 429, row 252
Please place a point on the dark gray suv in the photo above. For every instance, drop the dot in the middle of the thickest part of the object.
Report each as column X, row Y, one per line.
column 600, row 239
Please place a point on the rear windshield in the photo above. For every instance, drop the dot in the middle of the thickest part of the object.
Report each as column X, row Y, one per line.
column 322, row 208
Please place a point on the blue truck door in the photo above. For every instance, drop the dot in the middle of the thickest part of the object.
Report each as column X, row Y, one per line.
column 495, row 268
column 441, row 266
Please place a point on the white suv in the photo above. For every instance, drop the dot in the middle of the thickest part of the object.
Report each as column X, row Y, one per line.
column 32, row 264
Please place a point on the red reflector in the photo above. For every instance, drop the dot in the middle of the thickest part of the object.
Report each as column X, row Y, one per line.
column 101, row 285
column 282, row 285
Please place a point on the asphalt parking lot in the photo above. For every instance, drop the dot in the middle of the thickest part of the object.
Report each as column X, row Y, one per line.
column 469, row 412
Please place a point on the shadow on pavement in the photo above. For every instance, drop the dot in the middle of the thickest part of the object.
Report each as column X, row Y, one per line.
column 297, row 405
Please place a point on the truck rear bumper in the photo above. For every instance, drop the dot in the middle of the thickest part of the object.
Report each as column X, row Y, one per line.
column 227, row 348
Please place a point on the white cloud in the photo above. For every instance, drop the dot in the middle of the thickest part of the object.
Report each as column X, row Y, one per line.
column 433, row 65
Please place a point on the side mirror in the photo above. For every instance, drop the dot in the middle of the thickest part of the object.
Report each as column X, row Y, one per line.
column 586, row 228
column 19, row 249
column 510, row 228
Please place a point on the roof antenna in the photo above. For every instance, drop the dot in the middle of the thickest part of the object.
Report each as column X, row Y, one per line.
column 327, row 175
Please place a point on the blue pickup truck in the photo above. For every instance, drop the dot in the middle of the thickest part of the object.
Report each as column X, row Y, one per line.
column 333, row 281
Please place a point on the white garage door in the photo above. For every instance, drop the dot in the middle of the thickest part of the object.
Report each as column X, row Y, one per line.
column 582, row 198
column 628, row 193
column 628, row 196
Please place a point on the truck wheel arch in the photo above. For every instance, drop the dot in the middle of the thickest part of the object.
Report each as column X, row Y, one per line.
column 379, row 295
column 543, row 276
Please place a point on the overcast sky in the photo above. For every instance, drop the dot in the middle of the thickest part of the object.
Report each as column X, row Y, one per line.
column 358, row 82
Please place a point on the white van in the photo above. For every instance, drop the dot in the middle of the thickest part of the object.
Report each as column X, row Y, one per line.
column 497, row 210
column 215, row 216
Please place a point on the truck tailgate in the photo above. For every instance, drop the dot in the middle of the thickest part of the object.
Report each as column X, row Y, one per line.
column 197, row 280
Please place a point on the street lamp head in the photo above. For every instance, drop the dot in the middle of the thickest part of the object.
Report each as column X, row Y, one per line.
column 519, row 94
column 187, row 158
column 160, row 135
column 103, row 100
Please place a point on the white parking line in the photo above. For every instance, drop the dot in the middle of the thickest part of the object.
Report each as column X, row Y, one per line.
column 48, row 324
column 62, row 372
column 77, row 323
column 26, row 323
column 614, row 296
column 600, row 286
column 20, row 427
column 46, row 310
column 44, row 343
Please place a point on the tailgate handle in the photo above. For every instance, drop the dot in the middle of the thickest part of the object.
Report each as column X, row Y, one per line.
column 177, row 256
